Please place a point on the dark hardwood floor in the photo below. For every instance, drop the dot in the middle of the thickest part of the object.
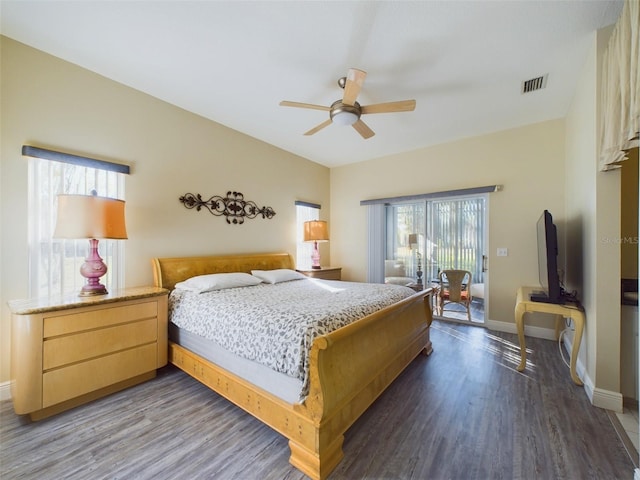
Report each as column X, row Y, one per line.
column 462, row 413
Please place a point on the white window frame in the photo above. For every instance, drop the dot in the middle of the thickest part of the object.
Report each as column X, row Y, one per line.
column 54, row 264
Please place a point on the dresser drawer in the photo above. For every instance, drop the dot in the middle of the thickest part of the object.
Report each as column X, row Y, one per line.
column 74, row 380
column 98, row 318
column 66, row 349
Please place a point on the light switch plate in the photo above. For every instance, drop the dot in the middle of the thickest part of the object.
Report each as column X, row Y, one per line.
column 503, row 252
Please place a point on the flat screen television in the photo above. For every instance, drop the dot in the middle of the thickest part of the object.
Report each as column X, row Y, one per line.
column 548, row 262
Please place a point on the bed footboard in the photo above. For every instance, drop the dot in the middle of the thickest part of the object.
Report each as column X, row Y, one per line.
column 350, row 368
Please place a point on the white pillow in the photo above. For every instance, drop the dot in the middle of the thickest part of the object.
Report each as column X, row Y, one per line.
column 277, row 275
column 217, row 281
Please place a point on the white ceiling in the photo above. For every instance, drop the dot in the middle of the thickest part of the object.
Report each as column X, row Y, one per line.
column 234, row 61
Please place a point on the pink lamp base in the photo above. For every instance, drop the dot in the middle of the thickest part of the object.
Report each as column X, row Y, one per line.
column 92, row 269
column 315, row 257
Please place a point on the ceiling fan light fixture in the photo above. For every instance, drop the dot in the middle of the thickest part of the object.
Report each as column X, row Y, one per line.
column 344, row 118
column 342, row 114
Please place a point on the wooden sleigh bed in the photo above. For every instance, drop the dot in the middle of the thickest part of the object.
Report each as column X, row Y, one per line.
column 349, row 368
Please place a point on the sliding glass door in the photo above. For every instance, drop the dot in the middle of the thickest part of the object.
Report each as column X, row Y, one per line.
column 425, row 237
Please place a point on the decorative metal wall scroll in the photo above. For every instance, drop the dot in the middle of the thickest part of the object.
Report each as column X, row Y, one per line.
column 233, row 207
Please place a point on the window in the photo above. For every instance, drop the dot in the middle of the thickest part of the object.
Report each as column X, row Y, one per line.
column 439, row 234
column 54, row 264
column 441, row 223
column 304, row 212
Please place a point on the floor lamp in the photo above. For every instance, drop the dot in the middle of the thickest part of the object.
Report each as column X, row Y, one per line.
column 413, row 240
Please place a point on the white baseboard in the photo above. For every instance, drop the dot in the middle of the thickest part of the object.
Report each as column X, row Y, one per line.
column 531, row 331
column 5, row 391
column 598, row 397
column 607, row 399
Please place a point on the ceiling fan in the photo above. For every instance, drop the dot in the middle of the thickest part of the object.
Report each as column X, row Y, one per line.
column 347, row 111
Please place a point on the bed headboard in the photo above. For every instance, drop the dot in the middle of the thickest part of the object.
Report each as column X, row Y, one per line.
column 169, row 271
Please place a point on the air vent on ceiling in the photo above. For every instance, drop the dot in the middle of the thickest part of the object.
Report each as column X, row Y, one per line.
column 534, row 84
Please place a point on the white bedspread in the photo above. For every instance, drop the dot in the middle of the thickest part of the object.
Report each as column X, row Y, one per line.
column 275, row 325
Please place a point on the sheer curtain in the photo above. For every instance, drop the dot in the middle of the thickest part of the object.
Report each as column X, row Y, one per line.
column 620, row 97
column 375, row 242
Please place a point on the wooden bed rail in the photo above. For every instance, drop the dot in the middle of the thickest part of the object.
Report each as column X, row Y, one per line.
column 349, row 369
column 357, row 353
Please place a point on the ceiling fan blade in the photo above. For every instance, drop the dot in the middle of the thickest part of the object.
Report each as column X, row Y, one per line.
column 401, row 106
column 355, row 79
column 286, row 103
column 317, row 128
column 363, row 129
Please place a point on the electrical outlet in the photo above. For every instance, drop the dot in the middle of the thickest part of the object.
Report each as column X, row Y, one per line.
column 503, row 252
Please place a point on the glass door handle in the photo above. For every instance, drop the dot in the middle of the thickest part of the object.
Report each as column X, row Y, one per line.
column 484, row 263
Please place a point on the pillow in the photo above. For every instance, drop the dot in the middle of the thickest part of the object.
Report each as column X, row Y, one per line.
column 278, row 275
column 217, row 281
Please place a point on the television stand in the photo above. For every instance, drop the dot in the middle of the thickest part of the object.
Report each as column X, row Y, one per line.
column 525, row 303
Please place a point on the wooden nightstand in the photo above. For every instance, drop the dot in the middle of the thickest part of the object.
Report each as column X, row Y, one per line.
column 69, row 350
column 325, row 273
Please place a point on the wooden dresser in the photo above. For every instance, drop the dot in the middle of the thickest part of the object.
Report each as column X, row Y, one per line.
column 70, row 350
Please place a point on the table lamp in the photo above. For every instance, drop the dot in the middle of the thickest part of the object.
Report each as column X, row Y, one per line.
column 92, row 217
column 316, row 231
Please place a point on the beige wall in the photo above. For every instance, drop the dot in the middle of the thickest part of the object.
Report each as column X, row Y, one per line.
column 50, row 103
column 528, row 162
column 581, row 203
column 593, row 218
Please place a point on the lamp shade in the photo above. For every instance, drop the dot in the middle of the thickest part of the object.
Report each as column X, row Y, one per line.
column 316, row 231
column 413, row 239
column 90, row 216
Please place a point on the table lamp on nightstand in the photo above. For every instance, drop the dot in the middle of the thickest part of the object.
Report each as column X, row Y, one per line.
column 316, row 231
column 92, row 217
